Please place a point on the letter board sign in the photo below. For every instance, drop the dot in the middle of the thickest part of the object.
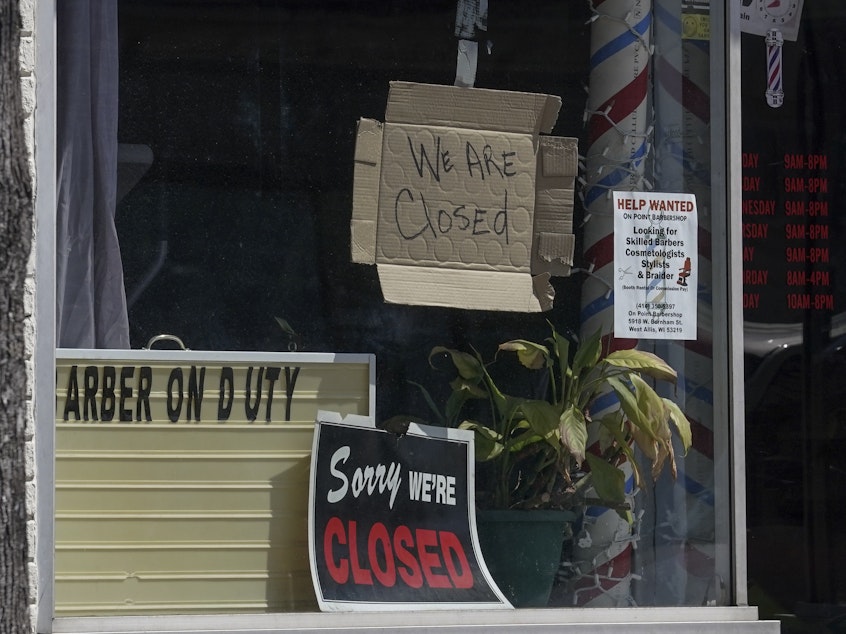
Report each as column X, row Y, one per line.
column 391, row 519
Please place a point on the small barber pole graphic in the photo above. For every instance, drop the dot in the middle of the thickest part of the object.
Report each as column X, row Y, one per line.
column 775, row 89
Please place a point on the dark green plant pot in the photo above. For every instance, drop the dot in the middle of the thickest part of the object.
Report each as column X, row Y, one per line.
column 522, row 550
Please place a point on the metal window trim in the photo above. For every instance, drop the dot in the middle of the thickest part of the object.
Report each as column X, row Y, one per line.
column 730, row 104
column 44, row 402
column 729, row 447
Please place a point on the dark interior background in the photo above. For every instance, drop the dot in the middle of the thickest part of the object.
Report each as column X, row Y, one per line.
column 795, row 362
column 250, row 110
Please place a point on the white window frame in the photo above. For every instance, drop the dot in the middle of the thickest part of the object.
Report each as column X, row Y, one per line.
column 728, row 406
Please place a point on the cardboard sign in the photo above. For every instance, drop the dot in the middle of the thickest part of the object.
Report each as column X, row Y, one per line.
column 656, row 266
column 458, row 200
column 391, row 519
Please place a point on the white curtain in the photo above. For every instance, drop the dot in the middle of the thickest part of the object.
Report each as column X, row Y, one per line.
column 90, row 298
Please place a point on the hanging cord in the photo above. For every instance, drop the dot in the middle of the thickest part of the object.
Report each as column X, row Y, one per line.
column 471, row 24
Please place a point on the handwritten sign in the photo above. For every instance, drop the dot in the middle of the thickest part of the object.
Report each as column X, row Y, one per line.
column 454, row 195
column 656, row 268
column 391, row 521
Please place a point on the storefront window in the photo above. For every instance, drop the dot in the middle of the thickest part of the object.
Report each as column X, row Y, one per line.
column 793, row 258
column 232, row 127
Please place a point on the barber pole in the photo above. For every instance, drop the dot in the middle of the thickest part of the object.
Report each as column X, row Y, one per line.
column 775, row 90
column 619, row 117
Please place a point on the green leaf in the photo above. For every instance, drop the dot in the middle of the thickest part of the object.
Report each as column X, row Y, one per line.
column 532, row 355
column 472, row 389
column 643, row 362
column 522, row 440
column 613, row 423
column 651, row 406
column 646, row 443
column 468, row 366
column 505, row 405
column 573, row 430
column 606, row 439
column 432, row 406
column 561, row 345
column 629, row 404
column 608, row 481
column 462, row 391
column 588, row 353
column 543, row 419
column 681, row 422
column 454, row 405
column 664, row 454
column 487, row 443
column 284, row 325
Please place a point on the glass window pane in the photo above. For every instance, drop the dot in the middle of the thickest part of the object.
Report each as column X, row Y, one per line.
column 793, row 164
column 225, row 134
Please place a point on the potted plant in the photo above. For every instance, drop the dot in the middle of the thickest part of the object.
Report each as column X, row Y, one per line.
column 532, row 451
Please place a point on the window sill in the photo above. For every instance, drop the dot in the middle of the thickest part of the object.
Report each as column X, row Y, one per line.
column 587, row 621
